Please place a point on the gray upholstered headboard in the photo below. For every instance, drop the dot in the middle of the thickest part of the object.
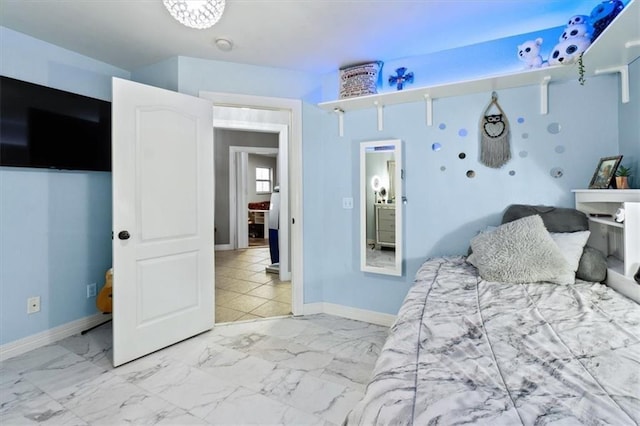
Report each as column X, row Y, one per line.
column 556, row 219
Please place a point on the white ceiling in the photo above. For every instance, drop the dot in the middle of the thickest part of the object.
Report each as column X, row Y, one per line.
column 308, row 35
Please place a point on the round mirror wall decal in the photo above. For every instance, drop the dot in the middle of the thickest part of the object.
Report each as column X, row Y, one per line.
column 525, row 136
column 471, row 174
column 560, row 149
column 442, row 126
column 554, row 128
column 520, row 120
column 463, row 133
column 557, row 172
column 436, row 147
column 462, row 156
column 512, row 172
column 443, row 168
column 523, row 154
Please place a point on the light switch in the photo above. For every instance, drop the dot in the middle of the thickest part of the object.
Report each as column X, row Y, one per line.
column 347, row 203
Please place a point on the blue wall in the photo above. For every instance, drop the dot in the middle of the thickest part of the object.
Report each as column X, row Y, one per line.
column 55, row 226
column 445, row 208
column 61, row 221
column 216, row 76
column 163, row 74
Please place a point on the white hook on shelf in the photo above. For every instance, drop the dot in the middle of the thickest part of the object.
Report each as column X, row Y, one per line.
column 624, row 80
column 429, row 109
column 340, row 113
column 380, row 116
column 632, row 43
column 544, row 95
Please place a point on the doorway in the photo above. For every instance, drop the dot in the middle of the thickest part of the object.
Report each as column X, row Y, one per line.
column 244, row 289
column 283, row 117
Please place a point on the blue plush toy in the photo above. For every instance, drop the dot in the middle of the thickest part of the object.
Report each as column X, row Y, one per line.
column 602, row 15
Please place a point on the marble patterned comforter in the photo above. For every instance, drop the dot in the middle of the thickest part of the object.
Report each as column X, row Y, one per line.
column 468, row 351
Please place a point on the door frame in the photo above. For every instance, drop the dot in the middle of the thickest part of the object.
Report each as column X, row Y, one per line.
column 294, row 108
column 237, row 198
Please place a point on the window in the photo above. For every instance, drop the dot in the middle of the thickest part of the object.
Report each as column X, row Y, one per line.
column 264, row 177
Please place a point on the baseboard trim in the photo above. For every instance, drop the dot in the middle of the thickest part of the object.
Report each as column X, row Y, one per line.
column 312, row 308
column 222, row 247
column 26, row 344
column 18, row 347
column 372, row 317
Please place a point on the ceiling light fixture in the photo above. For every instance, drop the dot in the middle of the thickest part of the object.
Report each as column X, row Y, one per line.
column 199, row 14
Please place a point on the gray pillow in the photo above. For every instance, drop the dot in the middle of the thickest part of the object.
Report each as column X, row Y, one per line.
column 593, row 266
column 521, row 251
column 593, row 263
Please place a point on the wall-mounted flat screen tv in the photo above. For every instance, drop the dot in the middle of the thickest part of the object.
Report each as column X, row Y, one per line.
column 49, row 128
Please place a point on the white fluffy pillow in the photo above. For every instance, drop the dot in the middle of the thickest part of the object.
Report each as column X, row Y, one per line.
column 571, row 245
column 521, row 251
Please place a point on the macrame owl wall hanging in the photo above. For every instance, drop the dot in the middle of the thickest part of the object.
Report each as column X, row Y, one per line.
column 495, row 151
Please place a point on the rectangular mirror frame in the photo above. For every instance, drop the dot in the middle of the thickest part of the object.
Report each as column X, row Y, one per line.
column 365, row 185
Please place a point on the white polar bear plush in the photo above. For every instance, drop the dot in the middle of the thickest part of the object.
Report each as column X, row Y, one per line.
column 578, row 19
column 529, row 53
column 568, row 51
column 576, row 30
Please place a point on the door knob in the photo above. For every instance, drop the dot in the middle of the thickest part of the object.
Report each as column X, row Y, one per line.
column 124, row 235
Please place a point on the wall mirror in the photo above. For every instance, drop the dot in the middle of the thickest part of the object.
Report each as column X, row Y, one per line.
column 381, row 207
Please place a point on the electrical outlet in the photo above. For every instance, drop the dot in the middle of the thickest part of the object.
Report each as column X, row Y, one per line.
column 33, row 305
column 91, row 290
column 347, row 203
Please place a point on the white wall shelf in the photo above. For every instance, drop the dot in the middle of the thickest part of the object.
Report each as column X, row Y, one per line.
column 607, row 221
column 620, row 242
column 612, row 52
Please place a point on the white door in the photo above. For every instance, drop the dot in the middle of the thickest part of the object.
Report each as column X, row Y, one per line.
column 163, row 185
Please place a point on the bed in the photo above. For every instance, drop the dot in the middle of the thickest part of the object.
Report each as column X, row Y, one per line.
column 466, row 350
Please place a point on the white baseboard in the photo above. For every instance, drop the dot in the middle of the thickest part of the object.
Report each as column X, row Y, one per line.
column 17, row 347
column 222, row 247
column 372, row 317
column 312, row 308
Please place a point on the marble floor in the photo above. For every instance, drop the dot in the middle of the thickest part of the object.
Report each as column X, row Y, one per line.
column 282, row 371
column 244, row 290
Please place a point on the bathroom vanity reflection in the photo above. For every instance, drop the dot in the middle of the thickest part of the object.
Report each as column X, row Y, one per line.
column 381, row 207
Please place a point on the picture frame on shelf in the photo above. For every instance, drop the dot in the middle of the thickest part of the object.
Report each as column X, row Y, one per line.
column 605, row 172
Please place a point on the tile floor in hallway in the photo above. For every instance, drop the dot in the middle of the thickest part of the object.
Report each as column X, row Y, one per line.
column 282, row 371
column 244, row 290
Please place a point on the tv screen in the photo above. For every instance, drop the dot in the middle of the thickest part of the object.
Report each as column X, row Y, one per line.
column 49, row 128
